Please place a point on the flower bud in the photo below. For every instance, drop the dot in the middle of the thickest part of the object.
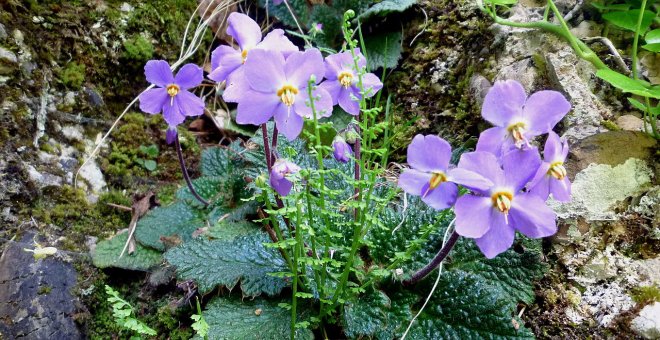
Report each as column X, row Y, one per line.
column 278, row 176
column 351, row 136
column 342, row 151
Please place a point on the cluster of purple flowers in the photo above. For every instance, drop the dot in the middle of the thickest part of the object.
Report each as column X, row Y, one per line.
column 508, row 181
column 268, row 77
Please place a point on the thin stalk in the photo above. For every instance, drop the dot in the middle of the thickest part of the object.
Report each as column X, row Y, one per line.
column 276, row 226
column 439, row 257
column 184, row 170
column 273, row 147
column 267, row 153
column 651, row 117
column 296, row 254
column 636, row 39
column 320, row 282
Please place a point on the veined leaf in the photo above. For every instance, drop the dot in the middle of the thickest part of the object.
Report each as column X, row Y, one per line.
column 387, row 6
column 262, row 319
column 106, row 254
column 383, row 50
column 225, row 263
column 629, row 85
column 628, row 19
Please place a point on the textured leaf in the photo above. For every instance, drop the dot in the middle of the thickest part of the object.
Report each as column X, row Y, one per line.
column 259, row 319
column 177, row 222
column 231, row 230
column 629, row 85
column 375, row 315
column 463, row 307
column 628, row 19
column 383, row 50
column 386, row 7
column 106, row 254
column 225, row 263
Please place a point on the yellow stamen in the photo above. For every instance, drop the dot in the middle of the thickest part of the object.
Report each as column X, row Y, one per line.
column 172, row 90
column 502, row 201
column 244, row 54
column 517, row 131
column 287, row 94
column 345, row 78
column 557, row 170
column 436, row 180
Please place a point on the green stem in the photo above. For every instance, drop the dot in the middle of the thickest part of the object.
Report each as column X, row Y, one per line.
column 651, row 117
column 277, row 229
column 636, row 40
column 296, row 255
column 320, row 282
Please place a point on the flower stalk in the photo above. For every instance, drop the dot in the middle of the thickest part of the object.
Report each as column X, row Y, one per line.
column 184, row 171
column 435, row 262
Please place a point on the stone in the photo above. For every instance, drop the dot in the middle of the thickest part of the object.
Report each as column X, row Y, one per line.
column 597, row 189
column 94, row 97
column 35, row 295
column 630, row 123
column 478, row 88
column 605, row 302
column 42, row 180
column 647, row 323
column 612, row 148
column 650, row 65
column 8, row 61
column 73, row 133
column 523, row 71
column 3, row 33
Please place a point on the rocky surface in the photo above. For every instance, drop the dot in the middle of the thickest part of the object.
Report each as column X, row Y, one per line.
column 647, row 324
column 36, row 300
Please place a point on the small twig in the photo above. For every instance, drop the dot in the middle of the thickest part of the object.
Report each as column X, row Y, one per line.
column 184, row 170
column 267, row 154
column 617, row 57
column 574, row 11
column 444, row 251
column 120, row 207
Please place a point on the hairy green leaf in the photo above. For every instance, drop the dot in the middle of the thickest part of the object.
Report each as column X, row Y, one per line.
column 171, row 224
column 213, row 263
column 383, row 50
column 262, row 319
column 386, row 7
column 106, row 254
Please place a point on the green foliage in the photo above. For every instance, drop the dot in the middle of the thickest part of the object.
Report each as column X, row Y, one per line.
column 386, row 7
column 123, row 314
column 213, row 263
column 646, row 294
column 199, row 325
column 173, row 224
column 259, row 318
column 73, row 75
column 138, row 48
column 383, row 50
column 652, row 39
column 106, row 254
column 629, row 85
column 628, row 19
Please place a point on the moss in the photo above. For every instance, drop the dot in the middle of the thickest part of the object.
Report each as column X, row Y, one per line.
column 645, row 295
column 73, row 75
column 44, row 290
column 68, row 209
column 610, row 125
column 138, row 48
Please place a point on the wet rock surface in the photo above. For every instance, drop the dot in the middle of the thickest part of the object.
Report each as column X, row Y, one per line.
column 36, row 301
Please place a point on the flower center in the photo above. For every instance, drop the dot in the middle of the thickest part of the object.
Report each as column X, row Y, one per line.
column 345, row 78
column 502, row 201
column 436, row 179
column 517, row 131
column 287, row 94
column 173, row 89
column 557, row 170
column 244, row 54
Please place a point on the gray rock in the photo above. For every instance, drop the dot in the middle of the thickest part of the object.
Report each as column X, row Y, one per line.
column 94, row 97
column 630, row 123
column 647, row 324
column 8, row 61
column 35, row 295
column 3, row 33
column 73, row 133
column 523, row 71
column 42, row 180
column 478, row 88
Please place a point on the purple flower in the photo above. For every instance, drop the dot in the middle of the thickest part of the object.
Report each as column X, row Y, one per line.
column 171, row 95
column 278, row 87
column 342, row 151
column 551, row 176
column 278, row 176
column 518, row 118
column 342, row 81
column 493, row 216
column 430, row 176
column 227, row 62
